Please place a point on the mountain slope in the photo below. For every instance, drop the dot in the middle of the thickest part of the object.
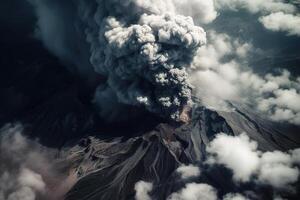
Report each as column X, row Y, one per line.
column 109, row 169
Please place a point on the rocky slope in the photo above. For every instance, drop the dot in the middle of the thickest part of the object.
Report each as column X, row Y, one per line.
column 108, row 169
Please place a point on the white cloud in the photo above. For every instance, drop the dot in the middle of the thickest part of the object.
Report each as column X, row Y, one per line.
column 255, row 6
column 194, row 191
column 219, row 75
column 234, row 196
column 279, row 13
column 188, row 171
column 236, row 153
column 202, row 11
column 240, row 154
column 142, row 190
column 280, row 21
column 296, row 155
column 283, row 105
column 276, row 169
column 208, row 88
column 209, row 71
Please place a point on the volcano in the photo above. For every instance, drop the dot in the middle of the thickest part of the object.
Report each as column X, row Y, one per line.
column 109, row 168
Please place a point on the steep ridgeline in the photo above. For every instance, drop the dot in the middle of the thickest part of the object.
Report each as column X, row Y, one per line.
column 109, row 169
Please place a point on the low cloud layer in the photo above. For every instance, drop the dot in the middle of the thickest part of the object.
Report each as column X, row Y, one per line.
column 194, row 191
column 276, row 170
column 256, row 6
column 188, row 171
column 234, row 196
column 142, row 190
column 28, row 170
column 236, row 153
column 280, row 21
column 220, row 73
column 239, row 153
column 276, row 15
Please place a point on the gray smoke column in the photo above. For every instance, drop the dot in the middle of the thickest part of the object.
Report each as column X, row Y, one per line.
column 143, row 51
column 141, row 48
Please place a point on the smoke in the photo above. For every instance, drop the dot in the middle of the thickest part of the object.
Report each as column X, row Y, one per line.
column 153, row 56
column 142, row 48
column 27, row 184
column 29, row 171
column 144, row 52
column 62, row 35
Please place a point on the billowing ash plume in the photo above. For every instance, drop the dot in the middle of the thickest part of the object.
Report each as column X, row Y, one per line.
column 143, row 51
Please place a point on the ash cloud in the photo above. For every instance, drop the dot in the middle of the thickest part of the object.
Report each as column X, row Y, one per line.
column 141, row 48
column 144, row 52
column 29, row 171
column 152, row 55
column 277, row 15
